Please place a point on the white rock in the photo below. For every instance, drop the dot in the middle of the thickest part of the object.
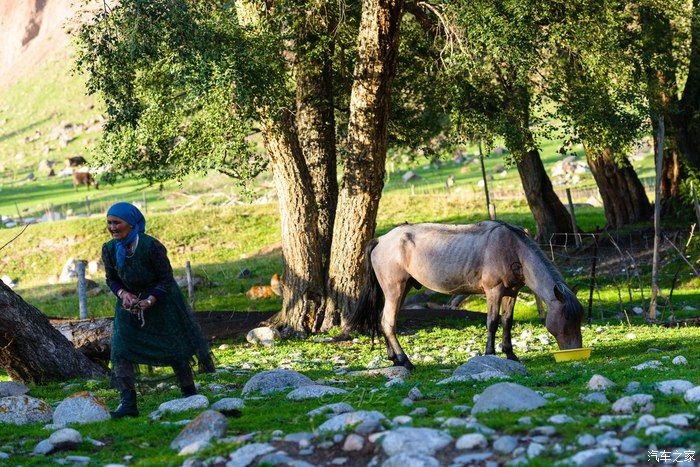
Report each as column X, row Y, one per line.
column 353, row 442
column 415, row 441
column 658, row 430
column 680, row 420
column 244, row 456
column 509, row 396
column 692, row 395
column 271, row 381
column 263, row 336
column 80, row 408
column 599, row 383
column 590, row 458
column 674, row 386
column 228, row 403
column 679, row 360
column 597, row 397
column 645, row 421
column 43, row 448
column 394, row 382
column 636, row 402
column 402, row 420
column 471, row 441
column 405, row 459
column 535, row 450
column 650, row 365
column 12, row 388
column 586, row 440
column 630, row 444
column 314, row 391
column 560, row 419
column 196, row 402
column 66, row 437
column 505, row 444
column 362, row 421
column 194, row 448
column 337, row 408
column 414, row 394
column 21, row 410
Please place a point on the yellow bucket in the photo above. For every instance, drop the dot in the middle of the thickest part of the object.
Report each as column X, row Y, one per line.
column 572, row 354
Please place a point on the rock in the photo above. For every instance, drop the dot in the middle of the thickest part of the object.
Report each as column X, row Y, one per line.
column 475, row 458
column 267, row 382
column 657, row 430
column 353, row 442
column 414, row 394
column 596, row 397
column 650, row 365
column 410, row 176
column 228, row 405
column 679, row 360
column 401, row 420
column 394, row 382
column 21, row 410
column 630, row 444
column 65, row 438
column 490, row 363
column 388, row 372
column 633, row 386
column 78, row 459
column 69, row 273
column 673, row 386
column 263, row 336
column 560, row 419
column 12, row 388
column 535, row 450
column 337, row 408
column 415, row 441
column 590, row 458
column 471, row 441
column 544, row 430
column 43, row 448
column 630, row 404
column 585, row 440
column 209, row 425
column 505, row 444
column 680, row 420
column 194, row 448
column 362, row 421
column 411, row 460
column 637, row 310
column 418, row 412
column 244, row 456
column 184, row 404
column 507, row 396
column 406, row 402
column 314, row 391
column 645, row 421
column 599, row 383
column 692, row 395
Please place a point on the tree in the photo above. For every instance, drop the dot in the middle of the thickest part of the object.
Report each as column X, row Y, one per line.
column 33, row 351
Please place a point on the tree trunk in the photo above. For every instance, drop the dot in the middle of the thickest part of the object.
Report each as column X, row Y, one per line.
column 33, row 351
column 91, row 337
column 302, row 280
column 624, row 199
column 363, row 177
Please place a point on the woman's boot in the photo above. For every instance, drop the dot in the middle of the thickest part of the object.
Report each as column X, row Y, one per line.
column 185, row 379
column 127, row 406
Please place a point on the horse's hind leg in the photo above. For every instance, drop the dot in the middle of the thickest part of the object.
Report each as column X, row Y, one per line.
column 493, row 304
column 392, row 303
column 508, row 304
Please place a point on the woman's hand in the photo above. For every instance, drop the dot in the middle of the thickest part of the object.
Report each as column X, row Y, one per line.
column 147, row 303
column 128, row 300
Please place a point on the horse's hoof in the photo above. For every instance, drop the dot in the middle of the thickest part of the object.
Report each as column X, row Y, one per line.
column 402, row 360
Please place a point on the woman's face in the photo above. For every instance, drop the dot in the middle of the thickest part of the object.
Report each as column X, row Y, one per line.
column 117, row 227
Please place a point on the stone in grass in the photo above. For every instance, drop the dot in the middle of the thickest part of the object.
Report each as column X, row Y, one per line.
column 673, row 386
column 244, row 456
column 415, row 441
column 314, row 391
column 388, row 372
column 586, row 440
column 406, row 459
column 560, row 419
column 589, row 458
column 471, row 441
column 596, row 397
column 362, row 421
column 12, row 388
column 196, row 402
column 22, row 410
column 634, row 403
column 353, row 442
column 82, row 407
column 650, row 365
column 490, row 363
column 599, row 383
column 267, row 382
column 43, row 448
column 505, row 444
column 630, row 444
column 228, row 406
column 508, row 396
column 263, row 336
column 335, row 409
column 65, row 438
column 679, row 360
column 535, row 450
column 194, row 448
column 692, row 395
column 209, row 425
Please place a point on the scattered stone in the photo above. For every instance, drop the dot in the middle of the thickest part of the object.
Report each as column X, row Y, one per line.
column 630, row 444
column 362, row 421
column 82, row 407
column 336, row 409
column 590, row 457
column 633, row 386
column 505, row 444
column 43, row 448
column 630, row 404
column 599, row 383
column 471, row 459
column 12, row 388
column 535, row 450
column 406, row 459
column 184, row 404
column 78, row 459
column 314, row 391
column 679, row 360
column 585, row 440
column 692, row 395
column 525, row 420
column 544, row 430
column 406, row 402
column 673, row 386
column 490, row 363
column 228, row 405
column 209, row 425
column 194, row 448
column 650, row 365
column 401, row 420
column 596, row 397
column 65, row 438
column 680, row 420
column 414, row 394
column 21, row 410
column 508, row 396
column 244, row 456
column 418, row 412
column 560, row 419
column 271, row 381
column 471, row 441
column 353, row 442
column 264, row 336
column 645, row 421
column 658, row 430
column 388, row 372
column 415, row 441
column 394, row 382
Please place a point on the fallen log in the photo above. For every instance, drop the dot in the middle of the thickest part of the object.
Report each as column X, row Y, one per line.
column 91, row 337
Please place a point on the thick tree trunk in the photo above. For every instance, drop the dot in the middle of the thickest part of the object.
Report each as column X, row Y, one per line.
column 363, row 178
column 33, row 351
column 91, row 337
column 624, row 199
column 302, row 280
column 550, row 215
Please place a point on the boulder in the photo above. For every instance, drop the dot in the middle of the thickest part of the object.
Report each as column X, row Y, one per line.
column 22, row 410
column 65, row 438
column 209, row 425
column 599, row 383
column 636, row 402
column 388, row 372
column 674, row 386
column 508, row 396
column 264, row 336
column 82, row 407
column 415, row 441
column 12, row 388
column 271, row 381
column 482, row 363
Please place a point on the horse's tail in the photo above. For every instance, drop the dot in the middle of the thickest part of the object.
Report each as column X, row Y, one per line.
column 366, row 315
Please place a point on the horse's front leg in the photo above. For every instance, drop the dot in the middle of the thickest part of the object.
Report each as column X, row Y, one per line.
column 493, row 304
column 508, row 304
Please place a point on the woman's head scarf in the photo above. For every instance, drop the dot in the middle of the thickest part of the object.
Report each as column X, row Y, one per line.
column 132, row 216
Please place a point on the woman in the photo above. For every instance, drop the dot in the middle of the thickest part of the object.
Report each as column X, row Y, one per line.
column 152, row 323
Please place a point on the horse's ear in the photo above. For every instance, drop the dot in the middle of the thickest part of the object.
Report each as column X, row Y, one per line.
column 558, row 294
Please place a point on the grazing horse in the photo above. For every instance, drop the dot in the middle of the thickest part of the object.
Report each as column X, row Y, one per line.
column 490, row 257
column 84, row 178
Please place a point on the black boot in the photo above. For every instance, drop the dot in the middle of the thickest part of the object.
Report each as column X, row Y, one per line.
column 188, row 390
column 127, row 407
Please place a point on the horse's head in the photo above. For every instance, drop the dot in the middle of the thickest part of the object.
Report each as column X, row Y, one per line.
column 564, row 318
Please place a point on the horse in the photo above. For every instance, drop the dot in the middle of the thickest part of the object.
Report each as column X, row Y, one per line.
column 489, row 257
column 84, row 178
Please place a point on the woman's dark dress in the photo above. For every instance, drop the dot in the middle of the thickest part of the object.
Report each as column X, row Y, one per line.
column 170, row 334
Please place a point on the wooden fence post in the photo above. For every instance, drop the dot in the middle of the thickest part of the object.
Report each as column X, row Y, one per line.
column 657, row 219
column 490, row 210
column 190, row 283
column 82, row 289
column 572, row 213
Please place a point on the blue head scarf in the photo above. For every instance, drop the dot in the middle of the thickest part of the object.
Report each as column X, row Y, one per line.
column 132, row 216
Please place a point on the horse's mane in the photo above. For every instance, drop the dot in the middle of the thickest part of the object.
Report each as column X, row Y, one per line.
column 572, row 307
